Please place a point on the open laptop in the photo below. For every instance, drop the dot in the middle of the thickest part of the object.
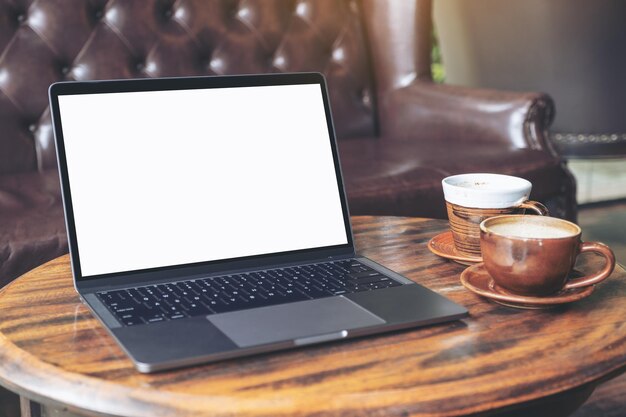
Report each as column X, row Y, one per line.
column 207, row 219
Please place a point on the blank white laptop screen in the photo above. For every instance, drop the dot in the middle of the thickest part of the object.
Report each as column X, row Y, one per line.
column 167, row 178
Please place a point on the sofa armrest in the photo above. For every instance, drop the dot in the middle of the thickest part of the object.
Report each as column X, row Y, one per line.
column 426, row 111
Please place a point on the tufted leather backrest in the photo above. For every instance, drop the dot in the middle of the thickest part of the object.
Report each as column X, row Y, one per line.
column 44, row 41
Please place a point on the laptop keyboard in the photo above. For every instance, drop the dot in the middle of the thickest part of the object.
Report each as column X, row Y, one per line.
column 205, row 296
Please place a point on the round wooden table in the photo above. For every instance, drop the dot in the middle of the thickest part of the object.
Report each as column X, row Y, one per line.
column 54, row 352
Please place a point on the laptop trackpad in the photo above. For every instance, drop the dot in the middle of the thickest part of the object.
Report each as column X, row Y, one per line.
column 293, row 321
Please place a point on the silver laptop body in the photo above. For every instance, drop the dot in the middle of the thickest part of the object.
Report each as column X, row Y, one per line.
column 207, row 219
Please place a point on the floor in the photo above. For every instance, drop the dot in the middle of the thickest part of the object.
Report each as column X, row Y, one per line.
column 608, row 400
column 606, row 222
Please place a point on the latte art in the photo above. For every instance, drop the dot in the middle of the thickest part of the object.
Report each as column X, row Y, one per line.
column 476, row 184
column 525, row 230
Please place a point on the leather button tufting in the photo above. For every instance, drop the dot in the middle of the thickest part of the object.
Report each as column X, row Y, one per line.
column 32, row 128
column 98, row 14
column 65, row 70
column 21, row 17
column 338, row 54
column 279, row 61
column 366, row 99
column 168, row 13
column 140, row 66
column 216, row 65
column 302, row 9
column 243, row 13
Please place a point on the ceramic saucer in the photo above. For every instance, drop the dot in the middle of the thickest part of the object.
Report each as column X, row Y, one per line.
column 443, row 245
column 477, row 279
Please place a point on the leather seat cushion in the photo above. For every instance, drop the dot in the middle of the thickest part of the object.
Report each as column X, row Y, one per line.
column 399, row 178
column 32, row 226
column 393, row 177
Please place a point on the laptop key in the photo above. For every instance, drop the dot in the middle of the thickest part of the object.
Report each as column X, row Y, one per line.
column 197, row 309
column 221, row 306
column 377, row 285
column 255, row 303
column 364, row 274
column 129, row 316
column 155, row 319
column 122, row 307
column 171, row 307
column 316, row 292
column 132, row 321
column 368, row 280
column 175, row 301
column 134, row 295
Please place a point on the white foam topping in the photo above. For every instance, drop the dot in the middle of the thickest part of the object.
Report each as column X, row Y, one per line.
column 533, row 231
column 486, row 190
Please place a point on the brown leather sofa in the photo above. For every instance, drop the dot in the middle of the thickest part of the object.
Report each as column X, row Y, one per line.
column 576, row 49
column 399, row 133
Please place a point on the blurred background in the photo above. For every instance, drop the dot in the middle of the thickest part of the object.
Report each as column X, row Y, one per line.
column 570, row 49
column 399, row 132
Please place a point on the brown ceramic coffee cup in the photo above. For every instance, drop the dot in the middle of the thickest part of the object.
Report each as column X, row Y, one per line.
column 472, row 198
column 533, row 255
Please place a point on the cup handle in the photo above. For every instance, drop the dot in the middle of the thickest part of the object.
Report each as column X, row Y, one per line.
column 593, row 279
column 535, row 206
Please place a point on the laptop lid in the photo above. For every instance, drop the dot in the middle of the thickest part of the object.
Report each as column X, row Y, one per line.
column 171, row 178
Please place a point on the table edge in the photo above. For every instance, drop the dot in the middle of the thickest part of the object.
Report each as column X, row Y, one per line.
column 47, row 383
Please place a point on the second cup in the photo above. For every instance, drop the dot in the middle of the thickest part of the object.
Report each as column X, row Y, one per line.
column 472, row 198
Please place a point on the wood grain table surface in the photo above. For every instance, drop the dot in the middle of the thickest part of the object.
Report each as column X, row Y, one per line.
column 53, row 351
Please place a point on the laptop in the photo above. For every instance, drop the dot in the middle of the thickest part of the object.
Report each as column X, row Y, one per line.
column 207, row 220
